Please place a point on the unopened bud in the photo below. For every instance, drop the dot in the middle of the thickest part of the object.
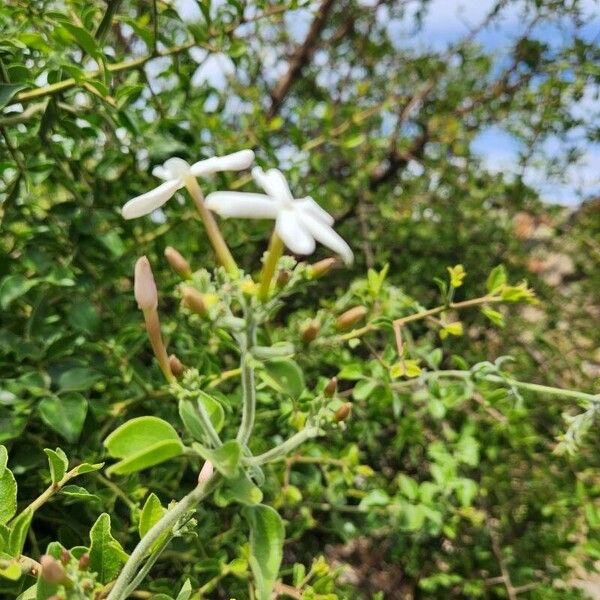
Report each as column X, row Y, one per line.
column 351, row 316
column 176, row 365
column 343, row 412
column 65, row 556
column 248, row 287
column 331, row 387
column 84, row 561
column 144, row 286
column 178, row 263
column 193, row 300
column 205, row 473
column 283, row 277
column 320, row 268
column 52, row 570
column 310, row 331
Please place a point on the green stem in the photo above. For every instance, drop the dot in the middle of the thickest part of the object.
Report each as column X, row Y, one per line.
column 166, row 523
column 532, row 387
column 248, row 386
column 284, row 448
column 274, row 253
column 212, row 229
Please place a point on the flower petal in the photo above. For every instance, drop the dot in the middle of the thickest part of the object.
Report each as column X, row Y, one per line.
column 293, row 233
column 230, row 162
column 273, row 182
column 177, row 167
column 327, row 236
column 309, row 205
column 242, row 204
column 162, row 173
column 146, row 203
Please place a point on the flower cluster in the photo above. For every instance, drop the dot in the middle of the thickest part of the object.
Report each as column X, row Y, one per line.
column 299, row 222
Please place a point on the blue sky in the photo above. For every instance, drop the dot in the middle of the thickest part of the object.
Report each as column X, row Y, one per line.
column 446, row 22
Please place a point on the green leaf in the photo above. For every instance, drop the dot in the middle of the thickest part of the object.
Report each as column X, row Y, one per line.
column 457, row 275
column 76, row 492
column 494, row 316
column 13, row 287
column 7, row 91
column 3, row 459
column 266, row 547
column 83, row 38
column 80, row 378
column 496, row 279
column 185, row 592
column 152, row 512
column 8, row 490
column 189, row 415
column 106, row 554
column 12, row 571
column 18, row 532
column 88, row 467
column 58, row 463
column 225, row 459
column 284, row 376
column 64, row 414
column 141, row 443
column 239, row 489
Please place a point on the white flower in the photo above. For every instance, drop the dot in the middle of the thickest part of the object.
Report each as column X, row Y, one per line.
column 174, row 173
column 298, row 222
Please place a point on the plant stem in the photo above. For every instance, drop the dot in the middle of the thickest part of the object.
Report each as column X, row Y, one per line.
column 418, row 316
column 223, row 377
column 248, row 385
column 274, row 253
column 491, row 378
column 283, row 448
column 212, row 229
column 166, row 523
column 65, row 84
column 147, row 566
column 48, row 493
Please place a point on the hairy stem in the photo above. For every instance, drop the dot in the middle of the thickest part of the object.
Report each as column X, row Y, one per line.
column 166, row 523
column 284, row 448
column 491, row 378
column 248, row 385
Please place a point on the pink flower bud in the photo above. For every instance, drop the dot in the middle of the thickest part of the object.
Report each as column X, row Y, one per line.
column 144, row 286
column 178, row 263
column 52, row 570
column 177, row 367
column 205, row 473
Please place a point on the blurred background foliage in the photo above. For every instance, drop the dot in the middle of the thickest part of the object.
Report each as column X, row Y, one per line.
column 428, row 491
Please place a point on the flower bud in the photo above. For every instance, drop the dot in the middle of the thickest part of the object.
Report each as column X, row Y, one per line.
column 65, row 556
column 283, row 277
column 84, row 561
column 144, row 287
column 205, row 473
column 178, row 263
column 176, row 365
column 193, row 300
column 351, row 317
column 52, row 570
column 322, row 267
column 331, row 387
column 311, row 330
column 248, row 287
column 343, row 412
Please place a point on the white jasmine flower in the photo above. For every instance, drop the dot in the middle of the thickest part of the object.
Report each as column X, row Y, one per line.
column 174, row 173
column 298, row 222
